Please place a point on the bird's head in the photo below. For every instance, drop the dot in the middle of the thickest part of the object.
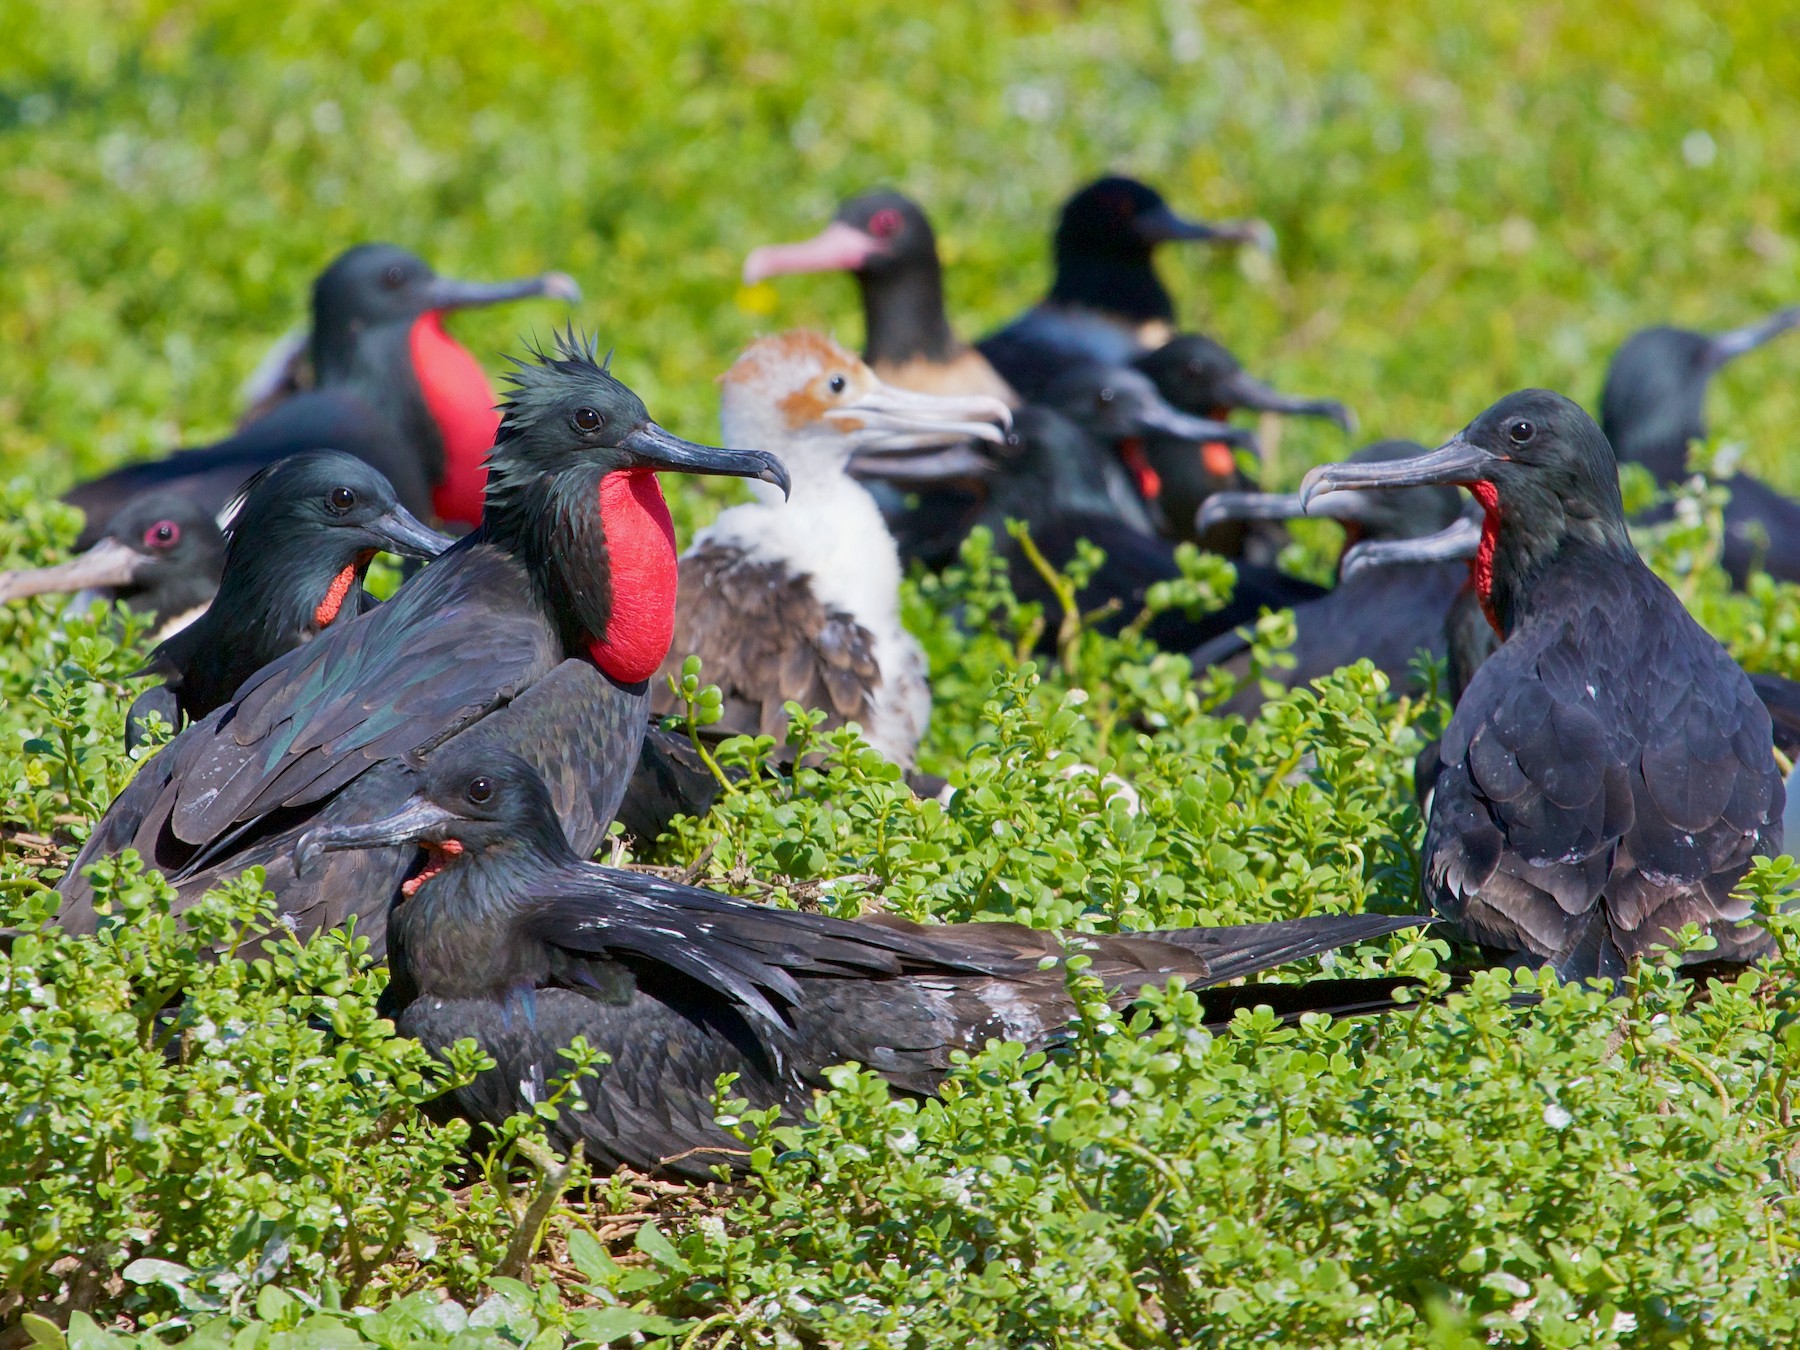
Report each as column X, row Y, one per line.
column 1120, row 217
column 477, row 814
column 566, row 413
column 1401, row 513
column 1202, row 377
column 1543, row 473
column 373, row 285
column 330, row 503
column 1119, row 403
column 1654, row 402
column 801, row 393
column 874, row 235
column 154, row 536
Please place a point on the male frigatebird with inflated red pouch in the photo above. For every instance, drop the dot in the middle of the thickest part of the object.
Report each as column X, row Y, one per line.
column 536, row 634
column 392, row 387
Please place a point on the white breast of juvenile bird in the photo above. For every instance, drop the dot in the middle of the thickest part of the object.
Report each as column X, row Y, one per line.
column 780, row 397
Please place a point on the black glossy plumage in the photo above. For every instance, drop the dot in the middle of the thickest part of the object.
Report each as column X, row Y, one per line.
column 160, row 554
column 363, row 399
column 1387, row 614
column 300, row 546
column 1654, row 406
column 1106, row 302
column 1202, row 377
column 1608, row 774
column 1066, row 488
column 510, row 939
column 491, row 643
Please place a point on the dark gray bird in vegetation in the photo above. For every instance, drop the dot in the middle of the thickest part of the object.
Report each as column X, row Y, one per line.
column 1609, row 773
column 1654, row 407
column 503, row 934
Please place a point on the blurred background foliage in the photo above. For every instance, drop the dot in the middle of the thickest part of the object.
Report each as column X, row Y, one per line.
column 1468, row 197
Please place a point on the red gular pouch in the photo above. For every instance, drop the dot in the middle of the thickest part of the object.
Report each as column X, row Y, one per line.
column 462, row 403
column 640, row 552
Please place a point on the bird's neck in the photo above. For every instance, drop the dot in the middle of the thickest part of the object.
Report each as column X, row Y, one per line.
column 1125, row 287
column 433, row 392
column 1519, row 549
column 289, row 593
column 456, row 935
column 377, row 365
column 903, row 315
column 600, row 550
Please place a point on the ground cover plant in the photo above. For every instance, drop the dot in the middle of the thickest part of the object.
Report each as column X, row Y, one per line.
column 1468, row 199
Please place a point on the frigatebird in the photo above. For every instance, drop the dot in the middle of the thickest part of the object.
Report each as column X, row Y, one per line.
column 503, row 935
column 885, row 241
column 392, row 388
column 1106, row 303
column 159, row 554
column 1654, row 406
column 1609, row 772
column 799, row 599
column 300, row 543
column 1202, row 377
column 1050, row 474
column 1387, row 614
column 537, row 633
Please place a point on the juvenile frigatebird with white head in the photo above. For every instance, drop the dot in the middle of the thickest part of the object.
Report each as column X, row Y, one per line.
column 799, row 599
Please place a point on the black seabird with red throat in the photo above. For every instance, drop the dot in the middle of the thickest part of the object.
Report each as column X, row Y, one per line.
column 1609, row 772
column 537, row 633
column 1202, row 377
column 508, row 938
column 159, row 554
column 390, row 386
column 1654, row 407
column 300, row 546
column 1106, row 303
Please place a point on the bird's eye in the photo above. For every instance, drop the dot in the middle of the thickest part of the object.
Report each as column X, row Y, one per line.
column 1518, row 431
column 393, row 278
column 163, row 534
column 481, row 789
column 342, row 499
column 885, row 223
column 1107, row 396
column 588, row 419
column 837, row 384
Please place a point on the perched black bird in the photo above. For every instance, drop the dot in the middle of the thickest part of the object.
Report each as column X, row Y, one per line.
column 1106, row 304
column 537, row 634
column 504, row 935
column 160, row 554
column 301, row 541
column 1051, row 474
column 1654, row 406
column 1609, row 772
column 1200, row 376
column 1387, row 614
column 392, row 388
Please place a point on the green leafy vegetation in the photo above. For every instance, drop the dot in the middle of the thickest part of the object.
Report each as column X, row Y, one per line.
column 1468, row 198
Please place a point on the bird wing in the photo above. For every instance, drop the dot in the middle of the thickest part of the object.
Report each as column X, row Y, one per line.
column 461, row 639
column 764, row 637
column 1609, row 765
column 752, row 954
